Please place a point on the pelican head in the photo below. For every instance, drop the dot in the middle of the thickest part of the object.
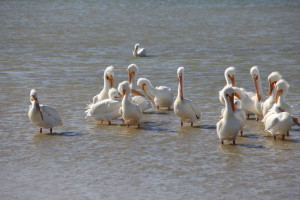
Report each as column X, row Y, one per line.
column 229, row 94
column 237, row 103
column 113, row 93
column 132, row 71
column 144, row 83
column 33, row 95
column 273, row 78
column 109, row 76
column 254, row 72
column 282, row 87
column 124, row 88
column 34, row 100
column 229, row 76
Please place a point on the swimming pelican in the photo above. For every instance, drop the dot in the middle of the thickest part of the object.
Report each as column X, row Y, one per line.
column 107, row 109
column 273, row 78
column 229, row 74
column 140, row 98
column 229, row 126
column 138, row 52
column 258, row 98
column 131, row 112
column 108, row 78
column 41, row 115
column 184, row 108
column 279, row 122
column 163, row 96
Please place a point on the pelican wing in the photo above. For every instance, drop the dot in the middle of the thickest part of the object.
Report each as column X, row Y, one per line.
column 271, row 121
column 51, row 113
column 195, row 109
column 107, row 108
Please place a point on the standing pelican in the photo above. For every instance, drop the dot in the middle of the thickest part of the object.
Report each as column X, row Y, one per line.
column 279, row 122
column 282, row 88
column 108, row 78
column 229, row 74
column 131, row 112
column 258, row 98
column 273, row 78
column 184, row 108
column 138, row 52
column 107, row 109
column 140, row 98
column 41, row 115
column 229, row 126
column 163, row 96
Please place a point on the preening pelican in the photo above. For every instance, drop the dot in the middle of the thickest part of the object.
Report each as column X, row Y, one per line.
column 140, row 98
column 229, row 74
column 282, row 88
column 163, row 96
column 108, row 78
column 138, row 52
column 131, row 112
column 229, row 126
column 279, row 122
column 273, row 78
column 258, row 98
column 246, row 104
column 107, row 109
column 41, row 115
column 184, row 108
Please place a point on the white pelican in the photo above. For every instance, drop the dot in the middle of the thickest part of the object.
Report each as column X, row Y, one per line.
column 184, row 108
column 228, row 127
column 138, row 52
column 131, row 112
column 41, row 115
column 107, row 109
column 239, row 114
column 268, row 104
column 163, row 96
column 247, row 105
column 108, row 78
column 140, row 99
column 258, row 98
column 229, row 74
column 279, row 122
column 282, row 88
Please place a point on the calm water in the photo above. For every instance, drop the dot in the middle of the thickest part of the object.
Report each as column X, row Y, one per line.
column 61, row 49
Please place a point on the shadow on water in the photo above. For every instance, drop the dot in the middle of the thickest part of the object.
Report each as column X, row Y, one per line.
column 251, row 146
column 251, row 136
column 66, row 134
column 206, row 126
column 153, row 126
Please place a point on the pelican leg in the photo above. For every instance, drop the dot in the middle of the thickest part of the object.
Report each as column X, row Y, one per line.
column 101, row 121
column 248, row 116
column 123, row 121
column 241, row 133
column 233, row 142
column 127, row 125
column 256, row 118
column 222, row 142
column 274, row 137
column 192, row 124
column 41, row 130
column 51, row 130
column 169, row 108
column 287, row 133
column 181, row 123
column 157, row 107
column 283, row 136
column 139, row 126
column 109, row 122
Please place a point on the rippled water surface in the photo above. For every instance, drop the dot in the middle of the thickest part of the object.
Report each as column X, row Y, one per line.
column 61, row 49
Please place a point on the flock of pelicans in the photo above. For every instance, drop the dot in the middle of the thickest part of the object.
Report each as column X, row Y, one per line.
column 129, row 103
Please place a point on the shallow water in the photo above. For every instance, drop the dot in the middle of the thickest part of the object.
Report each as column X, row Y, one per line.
column 61, row 49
